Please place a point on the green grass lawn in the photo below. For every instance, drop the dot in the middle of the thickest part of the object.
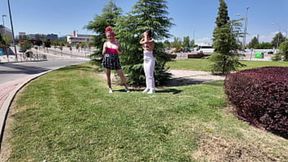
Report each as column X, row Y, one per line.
column 68, row 115
column 204, row 64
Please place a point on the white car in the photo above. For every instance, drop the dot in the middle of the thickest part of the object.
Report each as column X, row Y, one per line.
column 205, row 49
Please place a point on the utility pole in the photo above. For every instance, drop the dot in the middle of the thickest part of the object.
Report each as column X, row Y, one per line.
column 245, row 28
column 13, row 37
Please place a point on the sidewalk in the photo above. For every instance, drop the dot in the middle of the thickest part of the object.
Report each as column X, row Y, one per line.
column 63, row 54
column 186, row 77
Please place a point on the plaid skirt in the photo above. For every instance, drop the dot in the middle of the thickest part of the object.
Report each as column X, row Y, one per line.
column 111, row 61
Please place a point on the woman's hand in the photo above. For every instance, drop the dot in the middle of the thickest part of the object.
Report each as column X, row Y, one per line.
column 142, row 41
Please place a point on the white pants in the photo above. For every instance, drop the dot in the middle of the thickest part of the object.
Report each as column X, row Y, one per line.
column 149, row 66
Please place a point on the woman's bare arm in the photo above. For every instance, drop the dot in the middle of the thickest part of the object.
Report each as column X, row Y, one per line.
column 104, row 49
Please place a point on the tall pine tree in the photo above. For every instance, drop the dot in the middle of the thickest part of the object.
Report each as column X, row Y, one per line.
column 225, row 57
column 110, row 14
column 145, row 15
column 254, row 43
column 277, row 40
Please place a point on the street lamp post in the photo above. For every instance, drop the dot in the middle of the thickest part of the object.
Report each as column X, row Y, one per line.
column 3, row 16
column 13, row 37
column 245, row 28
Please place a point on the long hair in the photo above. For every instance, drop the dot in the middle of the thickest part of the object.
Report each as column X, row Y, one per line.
column 149, row 33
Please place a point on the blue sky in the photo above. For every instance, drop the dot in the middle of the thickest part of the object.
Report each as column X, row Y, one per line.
column 191, row 17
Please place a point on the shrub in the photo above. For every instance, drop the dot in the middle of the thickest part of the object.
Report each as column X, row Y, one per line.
column 284, row 50
column 277, row 57
column 260, row 96
column 25, row 45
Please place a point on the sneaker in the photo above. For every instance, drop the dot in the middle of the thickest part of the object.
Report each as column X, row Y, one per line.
column 145, row 90
column 110, row 90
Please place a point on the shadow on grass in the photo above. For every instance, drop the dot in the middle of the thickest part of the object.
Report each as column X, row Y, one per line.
column 183, row 82
column 169, row 90
column 82, row 67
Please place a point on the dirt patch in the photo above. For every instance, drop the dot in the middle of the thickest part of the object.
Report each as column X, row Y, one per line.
column 218, row 149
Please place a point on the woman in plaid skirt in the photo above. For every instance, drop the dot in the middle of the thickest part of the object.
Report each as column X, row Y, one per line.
column 111, row 50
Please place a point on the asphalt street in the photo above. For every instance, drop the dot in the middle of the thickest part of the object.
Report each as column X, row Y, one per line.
column 13, row 71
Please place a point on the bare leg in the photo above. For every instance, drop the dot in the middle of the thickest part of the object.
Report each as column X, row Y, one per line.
column 108, row 75
column 123, row 78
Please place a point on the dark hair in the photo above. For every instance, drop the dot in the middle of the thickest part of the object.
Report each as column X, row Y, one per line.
column 149, row 33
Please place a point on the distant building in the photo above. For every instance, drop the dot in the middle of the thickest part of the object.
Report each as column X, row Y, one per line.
column 79, row 38
column 4, row 31
column 52, row 37
column 37, row 36
column 22, row 35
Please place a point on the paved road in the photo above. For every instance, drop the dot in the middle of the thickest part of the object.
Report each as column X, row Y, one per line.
column 13, row 71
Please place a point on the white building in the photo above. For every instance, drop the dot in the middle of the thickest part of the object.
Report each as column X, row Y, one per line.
column 79, row 38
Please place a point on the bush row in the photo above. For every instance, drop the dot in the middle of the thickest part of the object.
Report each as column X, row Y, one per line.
column 260, row 96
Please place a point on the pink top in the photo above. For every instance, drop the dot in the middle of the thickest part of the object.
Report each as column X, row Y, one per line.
column 111, row 51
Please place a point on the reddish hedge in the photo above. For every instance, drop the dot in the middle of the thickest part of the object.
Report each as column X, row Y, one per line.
column 260, row 96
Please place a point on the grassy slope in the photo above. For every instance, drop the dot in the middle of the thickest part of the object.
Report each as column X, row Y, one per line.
column 68, row 115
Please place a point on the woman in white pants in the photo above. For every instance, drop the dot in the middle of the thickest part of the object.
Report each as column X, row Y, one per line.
column 149, row 61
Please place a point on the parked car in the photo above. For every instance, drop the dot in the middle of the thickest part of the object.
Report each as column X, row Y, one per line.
column 270, row 52
column 206, row 49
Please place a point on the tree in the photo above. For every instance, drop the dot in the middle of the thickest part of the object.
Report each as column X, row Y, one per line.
column 225, row 57
column 177, row 44
column 2, row 42
column 38, row 42
column 254, row 43
column 277, row 40
column 47, row 43
column 109, row 16
column 25, row 44
column 192, row 43
column 186, row 42
column 167, row 44
column 145, row 15
column 265, row 45
column 284, row 50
